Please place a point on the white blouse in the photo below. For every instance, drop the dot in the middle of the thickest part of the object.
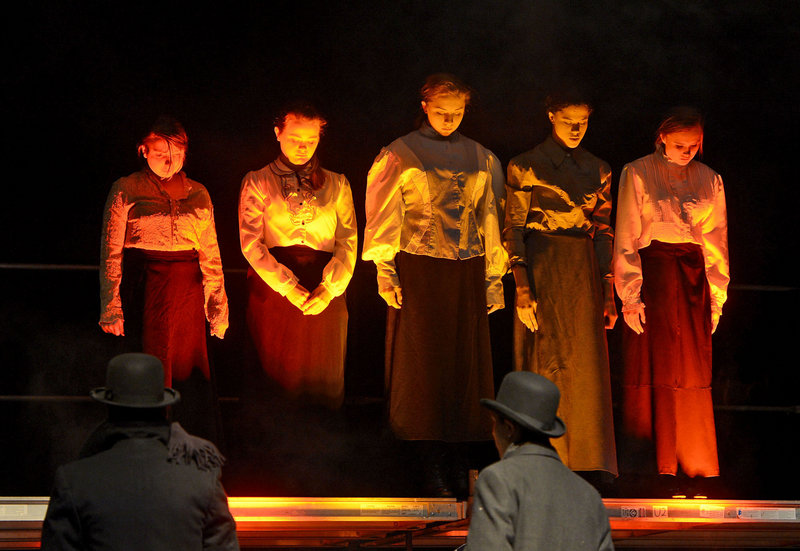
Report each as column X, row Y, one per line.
column 274, row 211
column 436, row 196
column 660, row 200
column 140, row 213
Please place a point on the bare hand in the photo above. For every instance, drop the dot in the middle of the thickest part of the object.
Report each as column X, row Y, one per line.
column 114, row 328
column 494, row 307
column 714, row 321
column 317, row 301
column 297, row 296
column 610, row 312
column 635, row 317
column 393, row 296
column 526, row 308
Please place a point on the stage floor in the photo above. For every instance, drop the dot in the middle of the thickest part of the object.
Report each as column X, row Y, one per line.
column 420, row 523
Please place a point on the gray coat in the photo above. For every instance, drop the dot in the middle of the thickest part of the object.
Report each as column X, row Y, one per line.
column 530, row 500
column 132, row 493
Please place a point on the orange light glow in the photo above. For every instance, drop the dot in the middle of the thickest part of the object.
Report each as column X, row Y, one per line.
column 268, row 509
column 622, row 511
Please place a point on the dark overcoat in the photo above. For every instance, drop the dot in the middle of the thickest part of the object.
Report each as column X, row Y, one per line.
column 530, row 500
column 131, row 494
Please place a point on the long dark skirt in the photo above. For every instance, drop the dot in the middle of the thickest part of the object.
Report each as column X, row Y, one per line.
column 667, row 369
column 163, row 304
column 164, row 292
column 303, row 354
column 570, row 346
column 438, row 355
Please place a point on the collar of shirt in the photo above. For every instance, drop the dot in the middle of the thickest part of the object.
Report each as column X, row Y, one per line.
column 663, row 159
column 558, row 154
column 529, row 448
column 427, row 130
column 159, row 182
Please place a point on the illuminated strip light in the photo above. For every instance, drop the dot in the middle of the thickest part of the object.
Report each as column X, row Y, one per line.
column 251, row 509
column 700, row 511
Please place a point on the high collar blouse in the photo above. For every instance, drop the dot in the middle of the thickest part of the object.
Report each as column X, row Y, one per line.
column 141, row 214
column 276, row 211
column 553, row 189
column 435, row 196
column 660, row 200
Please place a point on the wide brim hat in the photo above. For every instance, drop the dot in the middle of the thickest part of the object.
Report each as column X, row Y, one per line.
column 531, row 401
column 135, row 380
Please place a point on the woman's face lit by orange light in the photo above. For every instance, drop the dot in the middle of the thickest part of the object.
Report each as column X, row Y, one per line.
column 299, row 139
column 163, row 158
column 445, row 112
column 570, row 124
column 681, row 147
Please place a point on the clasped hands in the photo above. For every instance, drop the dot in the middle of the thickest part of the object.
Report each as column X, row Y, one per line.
column 311, row 303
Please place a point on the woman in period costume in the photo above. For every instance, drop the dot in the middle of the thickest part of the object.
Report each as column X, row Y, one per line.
column 161, row 274
column 297, row 230
column 671, row 272
column 559, row 238
column 433, row 198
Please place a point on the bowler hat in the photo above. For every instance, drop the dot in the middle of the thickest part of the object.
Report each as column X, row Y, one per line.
column 135, row 380
column 529, row 400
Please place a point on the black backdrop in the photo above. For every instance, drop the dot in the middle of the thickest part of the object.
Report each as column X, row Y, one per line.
column 82, row 81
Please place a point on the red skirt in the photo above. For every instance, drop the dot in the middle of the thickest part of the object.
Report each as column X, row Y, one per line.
column 666, row 384
column 163, row 303
column 303, row 354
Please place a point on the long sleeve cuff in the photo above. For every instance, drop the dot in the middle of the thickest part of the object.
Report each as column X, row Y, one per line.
column 494, row 292
column 387, row 275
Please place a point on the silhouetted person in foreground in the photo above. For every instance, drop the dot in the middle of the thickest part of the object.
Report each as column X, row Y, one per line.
column 141, row 482
column 529, row 499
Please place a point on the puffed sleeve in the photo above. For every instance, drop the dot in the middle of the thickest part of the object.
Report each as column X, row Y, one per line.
column 216, row 300
column 219, row 529
column 253, row 199
column 339, row 270
column 715, row 248
column 602, row 231
column 627, row 262
column 518, row 205
column 384, row 208
column 112, row 243
column 491, row 526
column 495, row 255
column 61, row 530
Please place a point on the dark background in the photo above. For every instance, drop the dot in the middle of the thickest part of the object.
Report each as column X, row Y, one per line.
column 82, row 82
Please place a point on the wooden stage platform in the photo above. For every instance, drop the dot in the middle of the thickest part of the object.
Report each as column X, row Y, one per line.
column 420, row 523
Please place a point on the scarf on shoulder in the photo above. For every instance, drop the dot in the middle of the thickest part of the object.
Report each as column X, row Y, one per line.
column 182, row 447
column 309, row 176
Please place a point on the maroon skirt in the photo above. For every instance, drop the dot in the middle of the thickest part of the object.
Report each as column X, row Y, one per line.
column 303, row 354
column 666, row 385
column 163, row 303
column 438, row 354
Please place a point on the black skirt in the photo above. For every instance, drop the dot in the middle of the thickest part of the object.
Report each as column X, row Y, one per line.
column 303, row 354
column 438, row 354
